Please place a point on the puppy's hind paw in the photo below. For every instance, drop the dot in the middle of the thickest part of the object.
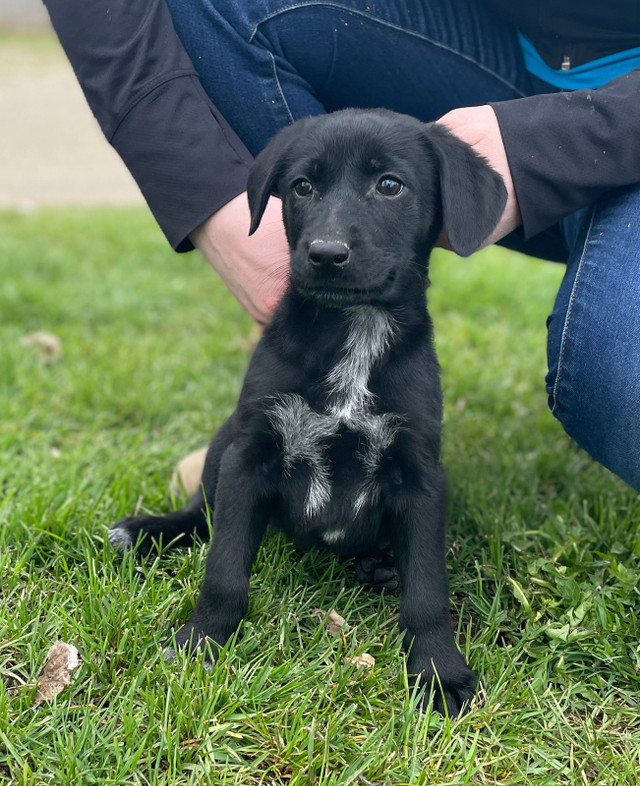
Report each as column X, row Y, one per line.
column 120, row 538
column 378, row 572
column 139, row 533
column 148, row 534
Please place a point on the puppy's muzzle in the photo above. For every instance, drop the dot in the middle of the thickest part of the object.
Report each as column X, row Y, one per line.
column 328, row 255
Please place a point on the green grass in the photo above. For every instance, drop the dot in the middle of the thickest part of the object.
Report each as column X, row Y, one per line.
column 542, row 545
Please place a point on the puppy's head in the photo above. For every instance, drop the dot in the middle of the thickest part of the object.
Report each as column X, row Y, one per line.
column 364, row 196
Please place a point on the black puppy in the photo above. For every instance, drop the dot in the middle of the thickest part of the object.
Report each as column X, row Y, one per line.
column 336, row 436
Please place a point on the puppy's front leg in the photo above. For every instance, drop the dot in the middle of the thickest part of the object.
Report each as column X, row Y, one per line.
column 240, row 519
column 419, row 518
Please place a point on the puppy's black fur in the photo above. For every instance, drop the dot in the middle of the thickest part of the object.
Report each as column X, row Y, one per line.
column 336, row 436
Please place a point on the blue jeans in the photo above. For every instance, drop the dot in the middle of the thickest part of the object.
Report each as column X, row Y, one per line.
column 266, row 63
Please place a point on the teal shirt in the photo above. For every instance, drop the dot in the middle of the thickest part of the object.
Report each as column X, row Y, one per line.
column 590, row 75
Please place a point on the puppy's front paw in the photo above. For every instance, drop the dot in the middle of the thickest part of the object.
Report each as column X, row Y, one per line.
column 192, row 640
column 451, row 682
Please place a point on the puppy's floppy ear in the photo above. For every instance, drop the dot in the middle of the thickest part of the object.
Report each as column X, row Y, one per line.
column 473, row 195
column 267, row 170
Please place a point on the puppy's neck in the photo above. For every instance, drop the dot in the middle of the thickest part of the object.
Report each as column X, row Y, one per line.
column 337, row 349
column 370, row 332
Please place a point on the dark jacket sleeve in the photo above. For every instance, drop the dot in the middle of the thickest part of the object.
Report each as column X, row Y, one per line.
column 146, row 96
column 565, row 149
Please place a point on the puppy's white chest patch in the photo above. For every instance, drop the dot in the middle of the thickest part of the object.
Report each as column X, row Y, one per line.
column 305, row 432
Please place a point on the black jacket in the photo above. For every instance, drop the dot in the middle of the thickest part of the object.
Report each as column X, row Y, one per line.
column 564, row 149
column 575, row 30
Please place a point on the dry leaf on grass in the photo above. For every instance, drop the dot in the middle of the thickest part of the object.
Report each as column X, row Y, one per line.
column 48, row 345
column 62, row 659
column 364, row 661
column 333, row 622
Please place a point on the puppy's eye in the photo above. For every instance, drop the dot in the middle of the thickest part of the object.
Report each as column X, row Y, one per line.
column 302, row 187
column 389, row 186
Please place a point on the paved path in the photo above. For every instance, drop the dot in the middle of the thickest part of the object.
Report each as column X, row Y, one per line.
column 52, row 151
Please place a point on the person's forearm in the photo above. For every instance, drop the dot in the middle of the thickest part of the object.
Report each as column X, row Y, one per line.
column 565, row 149
column 144, row 92
column 254, row 268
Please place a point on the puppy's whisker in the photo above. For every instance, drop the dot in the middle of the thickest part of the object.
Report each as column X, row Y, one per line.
column 417, row 272
column 275, row 281
column 277, row 275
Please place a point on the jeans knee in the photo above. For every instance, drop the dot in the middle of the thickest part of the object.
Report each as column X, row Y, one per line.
column 594, row 343
column 599, row 408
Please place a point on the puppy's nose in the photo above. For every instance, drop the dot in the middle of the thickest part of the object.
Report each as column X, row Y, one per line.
column 328, row 253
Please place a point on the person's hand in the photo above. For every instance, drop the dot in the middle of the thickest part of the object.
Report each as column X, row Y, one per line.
column 478, row 127
column 255, row 269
